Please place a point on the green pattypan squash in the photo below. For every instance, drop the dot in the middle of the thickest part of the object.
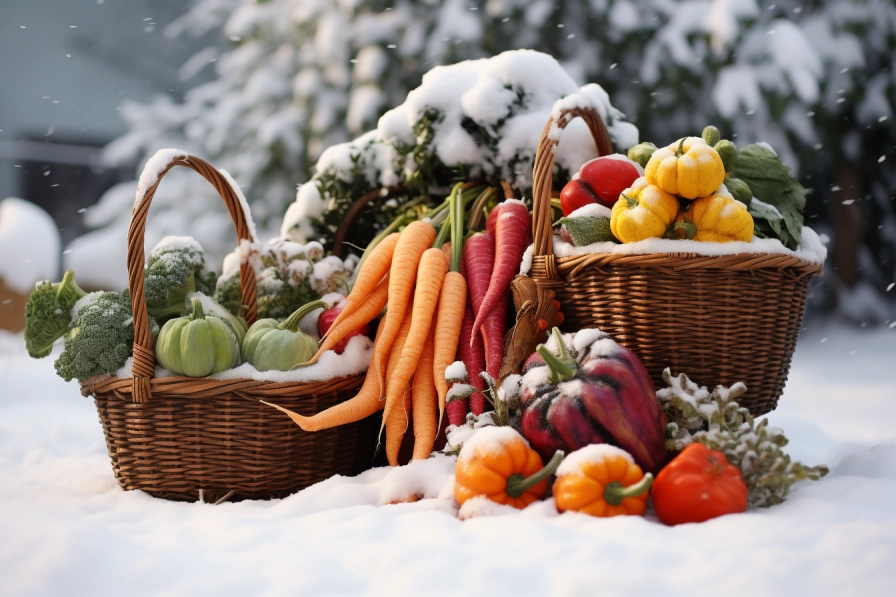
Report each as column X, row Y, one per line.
column 196, row 345
column 271, row 345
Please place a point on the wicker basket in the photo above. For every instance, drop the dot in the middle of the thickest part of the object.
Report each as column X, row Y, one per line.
column 718, row 319
column 195, row 438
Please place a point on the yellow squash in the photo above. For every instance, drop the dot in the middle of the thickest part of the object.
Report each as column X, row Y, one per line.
column 689, row 168
column 716, row 218
column 643, row 211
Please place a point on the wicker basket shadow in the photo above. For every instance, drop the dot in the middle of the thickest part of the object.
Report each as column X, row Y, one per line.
column 719, row 319
column 195, row 439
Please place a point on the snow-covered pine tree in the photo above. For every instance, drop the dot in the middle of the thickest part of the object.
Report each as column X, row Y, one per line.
column 301, row 75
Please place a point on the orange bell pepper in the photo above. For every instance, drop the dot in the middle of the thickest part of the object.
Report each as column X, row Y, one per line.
column 499, row 464
column 697, row 485
column 601, row 480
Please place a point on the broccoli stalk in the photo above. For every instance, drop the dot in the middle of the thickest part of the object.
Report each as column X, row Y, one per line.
column 176, row 268
column 101, row 337
column 48, row 314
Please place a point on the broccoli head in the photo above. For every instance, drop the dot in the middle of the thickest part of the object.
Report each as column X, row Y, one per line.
column 176, row 268
column 229, row 295
column 284, row 273
column 101, row 336
column 280, row 293
column 48, row 314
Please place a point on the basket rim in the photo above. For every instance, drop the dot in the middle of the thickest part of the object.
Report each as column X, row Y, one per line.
column 199, row 387
column 684, row 261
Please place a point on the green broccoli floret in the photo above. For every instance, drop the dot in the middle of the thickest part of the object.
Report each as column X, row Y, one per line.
column 229, row 295
column 48, row 314
column 101, row 337
column 285, row 278
column 280, row 293
column 176, row 268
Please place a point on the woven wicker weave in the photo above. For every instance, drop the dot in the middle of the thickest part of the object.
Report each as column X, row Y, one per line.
column 182, row 437
column 718, row 319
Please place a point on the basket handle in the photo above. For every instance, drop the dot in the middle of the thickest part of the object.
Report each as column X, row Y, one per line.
column 144, row 358
column 543, row 175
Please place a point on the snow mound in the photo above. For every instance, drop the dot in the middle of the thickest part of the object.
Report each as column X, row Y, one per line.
column 29, row 245
column 153, row 169
column 485, row 115
column 574, row 461
column 488, row 439
column 810, row 248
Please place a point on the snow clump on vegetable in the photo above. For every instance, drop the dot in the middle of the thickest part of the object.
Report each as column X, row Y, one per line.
column 483, row 116
column 574, row 461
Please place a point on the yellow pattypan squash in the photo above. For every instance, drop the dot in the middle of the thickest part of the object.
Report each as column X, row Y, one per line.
column 717, row 219
column 688, row 168
column 642, row 211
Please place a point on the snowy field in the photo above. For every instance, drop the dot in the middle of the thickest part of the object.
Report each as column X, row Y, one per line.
column 67, row 529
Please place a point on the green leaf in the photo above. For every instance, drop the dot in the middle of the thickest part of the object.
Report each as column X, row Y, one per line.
column 772, row 181
column 767, row 219
column 585, row 230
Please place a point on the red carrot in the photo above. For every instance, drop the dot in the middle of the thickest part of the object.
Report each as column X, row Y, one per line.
column 479, row 257
column 492, row 220
column 493, row 329
column 473, row 357
column 512, row 235
column 456, row 410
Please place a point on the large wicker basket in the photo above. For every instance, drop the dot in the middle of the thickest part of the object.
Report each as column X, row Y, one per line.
column 719, row 319
column 196, row 438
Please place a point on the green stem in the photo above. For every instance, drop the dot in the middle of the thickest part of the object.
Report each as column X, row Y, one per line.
column 443, row 234
column 680, row 151
column 437, row 209
column 476, row 212
column 562, row 350
column 562, row 365
column 517, row 484
column 291, row 323
column 198, row 312
column 614, row 492
column 457, row 230
column 631, row 203
column 68, row 285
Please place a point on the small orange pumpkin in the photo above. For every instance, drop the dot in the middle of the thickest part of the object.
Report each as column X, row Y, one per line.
column 498, row 463
column 601, row 480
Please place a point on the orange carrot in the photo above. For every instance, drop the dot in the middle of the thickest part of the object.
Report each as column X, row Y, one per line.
column 413, row 241
column 423, row 400
column 430, row 273
column 364, row 313
column 396, row 423
column 375, row 267
column 398, row 345
column 363, row 404
column 450, row 316
column 452, row 305
column 397, row 426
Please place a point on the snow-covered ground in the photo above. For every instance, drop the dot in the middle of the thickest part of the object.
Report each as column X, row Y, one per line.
column 67, row 529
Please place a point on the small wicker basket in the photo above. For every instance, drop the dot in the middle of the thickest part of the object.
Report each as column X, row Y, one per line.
column 719, row 319
column 197, row 438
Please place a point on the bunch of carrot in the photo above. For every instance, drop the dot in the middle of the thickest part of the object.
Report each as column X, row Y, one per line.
column 407, row 273
column 491, row 260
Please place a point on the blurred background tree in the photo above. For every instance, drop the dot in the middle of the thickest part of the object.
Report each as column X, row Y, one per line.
column 812, row 78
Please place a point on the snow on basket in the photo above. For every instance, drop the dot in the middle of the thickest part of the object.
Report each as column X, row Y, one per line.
column 211, row 438
column 722, row 318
